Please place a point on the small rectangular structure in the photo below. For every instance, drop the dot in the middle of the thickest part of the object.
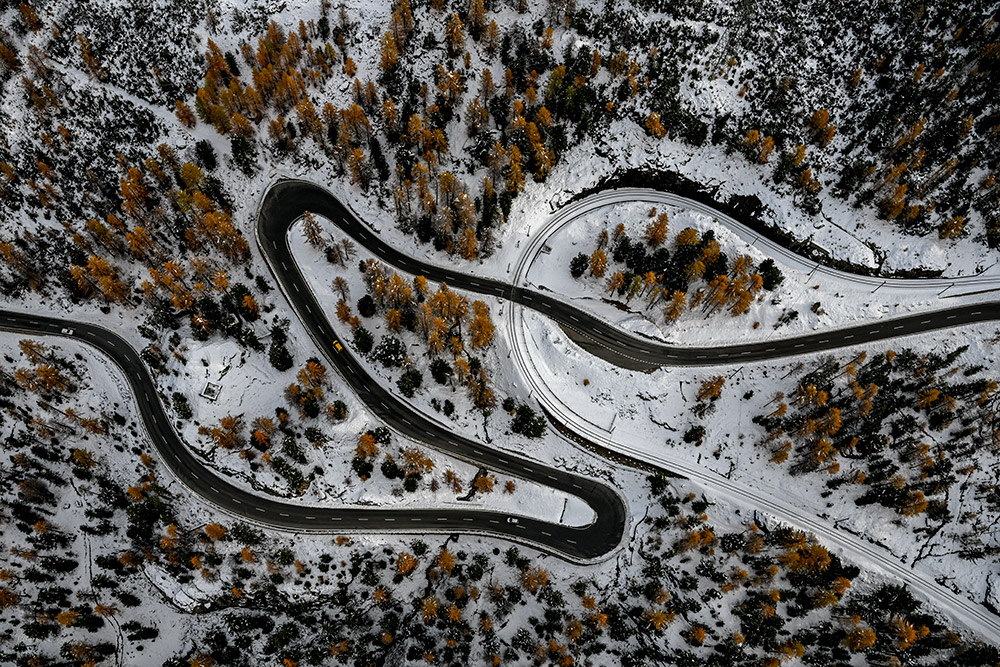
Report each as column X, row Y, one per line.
column 211, row 391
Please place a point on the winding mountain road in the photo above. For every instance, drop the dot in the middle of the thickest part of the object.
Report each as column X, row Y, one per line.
column 286, row 201
column 635, row 352
column 574, row 543
column 282, row 205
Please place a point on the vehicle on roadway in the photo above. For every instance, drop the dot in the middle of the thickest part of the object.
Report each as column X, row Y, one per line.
column 512, row 519
column 336, row 345
column 68, row 332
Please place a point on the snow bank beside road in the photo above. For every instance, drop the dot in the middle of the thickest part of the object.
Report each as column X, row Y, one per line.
column 822, row 298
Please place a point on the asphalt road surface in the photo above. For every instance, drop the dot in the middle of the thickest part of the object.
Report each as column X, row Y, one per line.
column 280, row 209
column 286, row 201
column 283, row 204
column 587, row 542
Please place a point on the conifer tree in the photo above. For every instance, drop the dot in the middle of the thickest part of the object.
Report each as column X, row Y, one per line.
column 455, row 35
column 390, row 52
column 598, row 263
column 654, row 126
column 184, row 114
column 656, row 231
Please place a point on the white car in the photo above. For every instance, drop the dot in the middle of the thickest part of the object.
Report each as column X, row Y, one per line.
column 68, row 332
column 512, row 519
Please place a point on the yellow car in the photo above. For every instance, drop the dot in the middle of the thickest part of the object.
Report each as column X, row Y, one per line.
column 337, row 346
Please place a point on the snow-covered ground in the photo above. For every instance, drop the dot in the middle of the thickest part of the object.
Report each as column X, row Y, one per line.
column 647, row 412
column 646, row 415
column 529, row 498
column 821, row 299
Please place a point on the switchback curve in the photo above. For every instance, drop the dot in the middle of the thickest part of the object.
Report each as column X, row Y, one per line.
column 287, row 200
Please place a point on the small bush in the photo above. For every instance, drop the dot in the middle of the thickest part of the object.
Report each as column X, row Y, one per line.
column 527, row 423
column 181, row 406
column 363, row 340
column 409, row 382
column 578, row 265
